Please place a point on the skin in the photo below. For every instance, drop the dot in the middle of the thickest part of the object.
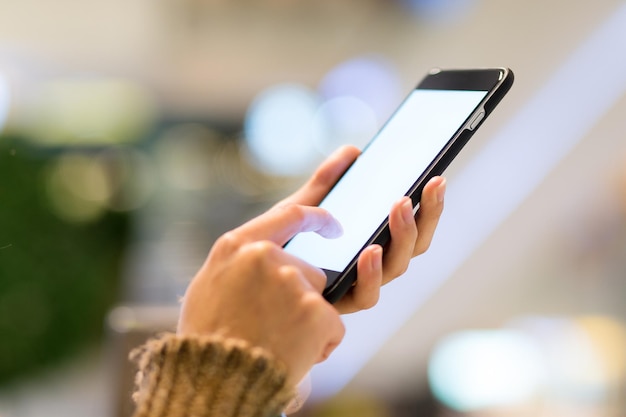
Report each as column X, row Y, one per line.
column 250, row 289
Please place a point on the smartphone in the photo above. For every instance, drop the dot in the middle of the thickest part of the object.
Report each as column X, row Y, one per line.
column 418, row 142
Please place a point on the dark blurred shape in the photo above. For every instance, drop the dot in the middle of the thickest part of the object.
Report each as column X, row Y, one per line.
column 57, row 279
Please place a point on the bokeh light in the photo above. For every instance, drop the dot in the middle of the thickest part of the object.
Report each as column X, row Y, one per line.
column 373, row 80
column 583, row 356
column 552, row 361
column 289, row 127
column 608, row 340
column 77, row 188
column 473, row 370
column 278, row 130
column 343, row 120
column 88, row 112
column 81, row 187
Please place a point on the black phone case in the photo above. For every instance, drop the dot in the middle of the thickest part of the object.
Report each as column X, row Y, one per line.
column 344, row 281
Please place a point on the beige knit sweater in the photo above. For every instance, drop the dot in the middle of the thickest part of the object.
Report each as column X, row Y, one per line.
column 207, row 376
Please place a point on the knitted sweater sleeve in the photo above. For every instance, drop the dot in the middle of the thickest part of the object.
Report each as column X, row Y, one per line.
column 207, row 376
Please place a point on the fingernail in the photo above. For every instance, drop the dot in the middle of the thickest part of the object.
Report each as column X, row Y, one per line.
column 377, row 261
column 407, row 211
column 441, row 191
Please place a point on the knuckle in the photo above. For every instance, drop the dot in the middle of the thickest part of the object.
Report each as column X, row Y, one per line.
column 263, row 264
column 288, row 274
column 257, row 257
column 261, row 250
column 229, row 242
column 294, row 211
column 312, row 306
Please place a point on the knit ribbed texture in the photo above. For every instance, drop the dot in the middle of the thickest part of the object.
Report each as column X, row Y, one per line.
column 208, row 376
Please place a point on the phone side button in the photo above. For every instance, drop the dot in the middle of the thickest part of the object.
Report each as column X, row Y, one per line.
column 476, row 120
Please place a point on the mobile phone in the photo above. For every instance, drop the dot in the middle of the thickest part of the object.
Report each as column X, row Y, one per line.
column 418, row 142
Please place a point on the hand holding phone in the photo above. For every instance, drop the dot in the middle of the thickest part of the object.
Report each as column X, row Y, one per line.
column 417, row 143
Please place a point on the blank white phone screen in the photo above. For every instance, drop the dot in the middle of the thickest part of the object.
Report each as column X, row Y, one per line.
column 384, row 172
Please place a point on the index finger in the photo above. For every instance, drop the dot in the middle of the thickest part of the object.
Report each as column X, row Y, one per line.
column 283, row 222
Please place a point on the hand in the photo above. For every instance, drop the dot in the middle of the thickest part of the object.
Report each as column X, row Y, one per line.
column 410, row 235
column 250, row 289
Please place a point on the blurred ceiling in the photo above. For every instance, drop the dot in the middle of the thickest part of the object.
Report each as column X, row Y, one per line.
column 212, row 57
column 202, row 57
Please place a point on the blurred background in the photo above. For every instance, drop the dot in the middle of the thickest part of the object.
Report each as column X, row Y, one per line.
column 132, row 134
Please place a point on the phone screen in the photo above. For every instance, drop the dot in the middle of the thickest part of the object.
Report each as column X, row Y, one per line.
column 386, row 170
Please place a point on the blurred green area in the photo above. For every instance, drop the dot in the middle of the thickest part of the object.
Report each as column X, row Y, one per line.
column 57, row 279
